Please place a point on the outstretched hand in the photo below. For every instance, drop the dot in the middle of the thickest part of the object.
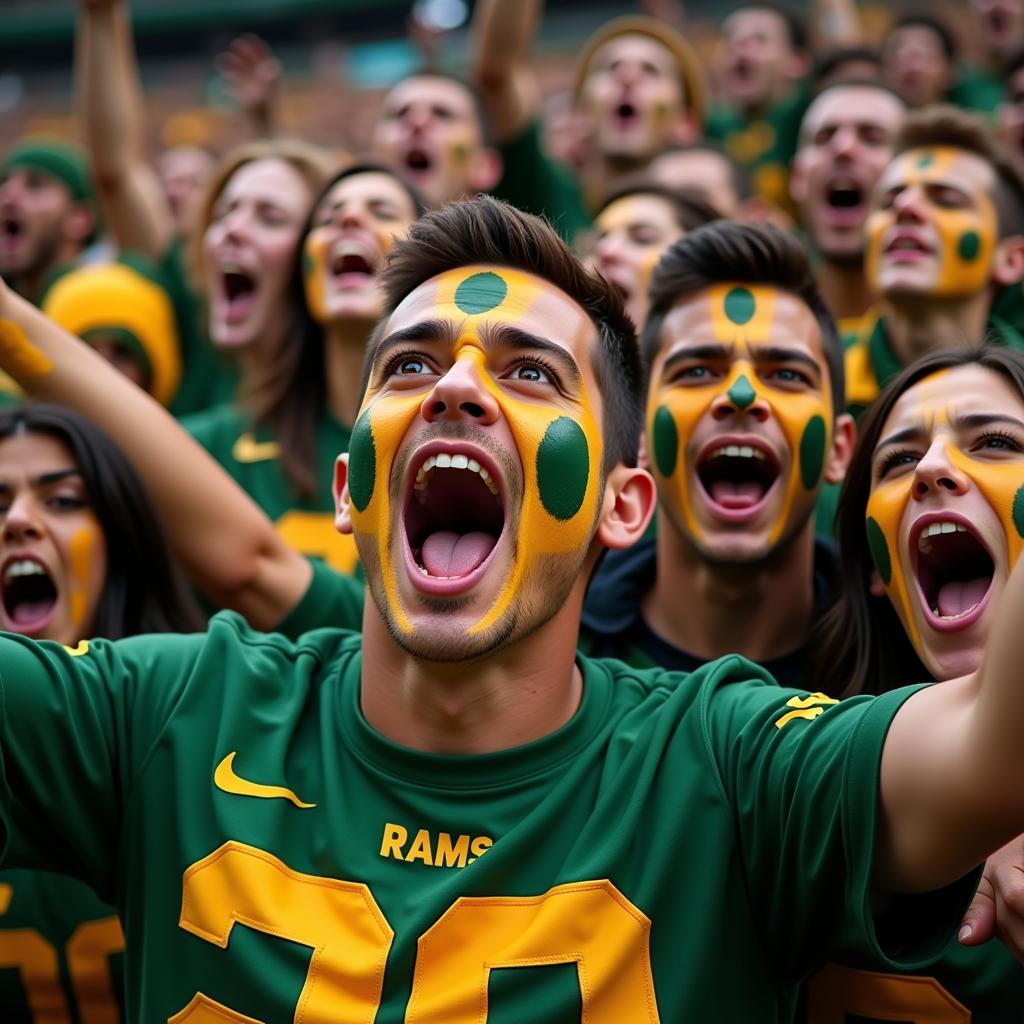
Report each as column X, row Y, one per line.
column 252, row 74
column 998, row 906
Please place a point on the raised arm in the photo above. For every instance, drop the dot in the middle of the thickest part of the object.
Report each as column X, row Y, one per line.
column 952, row 780
column 253, row 77
column 113, row 116
column 225, row 542
column 500, row 65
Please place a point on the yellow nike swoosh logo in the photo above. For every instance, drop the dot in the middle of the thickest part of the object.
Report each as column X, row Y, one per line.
column 248, row 449
column 6, row 895
column 225, row 778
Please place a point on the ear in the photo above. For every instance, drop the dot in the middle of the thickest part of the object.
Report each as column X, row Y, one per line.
column 643, row 456
column 1008, row 261
column 339, row 489
column 629, row 500
column 844, row 437
column 79, row 224
column 875, row 586
column 487, row 170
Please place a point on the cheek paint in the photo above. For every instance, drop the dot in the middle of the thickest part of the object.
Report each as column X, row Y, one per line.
column 314, row 271
column 968, row 240
column 1002, row 484
column 80, row 565
column 18, row 355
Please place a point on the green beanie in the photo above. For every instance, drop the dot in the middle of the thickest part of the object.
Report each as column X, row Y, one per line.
column 64, row 161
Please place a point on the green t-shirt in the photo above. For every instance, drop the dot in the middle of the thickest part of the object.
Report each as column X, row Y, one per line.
column 60, row 952
column 977, row 88
column 250, row 455
column 766, row 145
column 333, row 600
column 684, row 848
column 538, row 184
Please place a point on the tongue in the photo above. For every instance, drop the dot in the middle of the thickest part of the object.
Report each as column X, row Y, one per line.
column 733, row 494
column 455, row 554
column 962, row 595
column 30, row 611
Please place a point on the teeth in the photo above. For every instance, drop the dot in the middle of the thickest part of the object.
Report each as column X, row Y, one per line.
column 735, row 451
column 445, row 461
column 934, row 530
column 26, row 567
column 232, row 267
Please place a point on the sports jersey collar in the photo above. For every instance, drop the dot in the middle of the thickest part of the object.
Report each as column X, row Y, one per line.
column 479, row 771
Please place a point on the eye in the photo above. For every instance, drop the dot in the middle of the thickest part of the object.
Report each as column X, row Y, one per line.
column 532, row 373
column 409, row 366
column 787, row 375
column 65, row 502
column 899, row 459
column 693, row 375
column 998, row 442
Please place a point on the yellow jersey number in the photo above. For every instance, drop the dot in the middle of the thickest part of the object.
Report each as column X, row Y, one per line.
column 590, row 924
column 87, row 952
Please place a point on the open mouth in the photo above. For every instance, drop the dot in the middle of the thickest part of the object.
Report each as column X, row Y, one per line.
column 347, row 262
column 737, row 479
column 453, row 520
column 954, row 572
column 238, row 287
column 29, row 594
column 11, row 231
column 626, row 113
column 418, row 160
column 845, row 195
column 907, row 247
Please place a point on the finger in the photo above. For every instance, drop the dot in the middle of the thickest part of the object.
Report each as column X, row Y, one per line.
column 979, row 923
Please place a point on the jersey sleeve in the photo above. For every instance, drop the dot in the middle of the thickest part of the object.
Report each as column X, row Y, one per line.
column 801, row 772
column 333, row 600
column 77, row 725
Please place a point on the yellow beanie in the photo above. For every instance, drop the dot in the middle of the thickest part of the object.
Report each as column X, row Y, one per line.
column 115, row 297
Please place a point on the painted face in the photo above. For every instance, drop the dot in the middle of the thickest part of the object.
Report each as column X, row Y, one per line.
column 354, row 228
column 933, row 228
column 635, row 97
column 249, row 249
column 429, row 132
column 739, row 419
column 945, row 518
column 53, row 555
column 475, row 464
column 633, row 232
column 846, row 142
column 34, row 210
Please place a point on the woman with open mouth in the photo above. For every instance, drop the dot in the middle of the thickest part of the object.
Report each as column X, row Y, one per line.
column 302, row 379
column 930, row 524
column 81, row 555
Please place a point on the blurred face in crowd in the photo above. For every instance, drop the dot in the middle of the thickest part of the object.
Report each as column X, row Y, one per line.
column 1000, row 24
column 184, row 171
column 429, row 131
column 933, row 230
column 915, row 65
column 53, row 555
column 634, row 95
column 740, row 425
column 943, row 520
column 760, row 62
column 1011, row 114
column 40, row 224
column 632, row 233
column 703, row 171
column 846, row 143
column 249, row 249
column 354, row 228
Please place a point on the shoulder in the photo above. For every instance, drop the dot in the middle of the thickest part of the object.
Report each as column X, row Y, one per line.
column 613, row 597
column 861, row 379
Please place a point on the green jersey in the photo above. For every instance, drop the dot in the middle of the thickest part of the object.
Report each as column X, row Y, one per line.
column 683, row 849
column 977, row 88
column 60, row 952
column 251, row 456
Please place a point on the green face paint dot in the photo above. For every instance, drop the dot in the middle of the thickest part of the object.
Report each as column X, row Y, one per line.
column 1018, row 510
column 740, row 306
column 666, row 441
column 741, row 394
column 925, row 160
column 563, row 468
column 812, row 452
column 308, row 264
column 481, row 293
column 879, row 550
column 362, row 463
column 969, row 246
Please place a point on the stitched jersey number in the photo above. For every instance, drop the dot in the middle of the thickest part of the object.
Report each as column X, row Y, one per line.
column 351, row 938
column 87, row 952
column 839, row 995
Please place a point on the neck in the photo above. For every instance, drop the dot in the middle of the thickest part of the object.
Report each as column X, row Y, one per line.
column 930, row 324
column 344, row 347
column 520, row 694
column 762, row 610
column 844, row 289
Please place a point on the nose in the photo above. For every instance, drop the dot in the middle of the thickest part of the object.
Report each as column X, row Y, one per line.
column 417, row 116
column 609, row 249
column 351, row 214
column 740, row 400
column 460, row 395
column 22, row 521
column 907, row 203
column 936, row 472
column 844, row 140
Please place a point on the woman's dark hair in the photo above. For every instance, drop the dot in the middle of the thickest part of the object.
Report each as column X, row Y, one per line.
column 861, row 638
column 145, row 591
column 289, row 390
